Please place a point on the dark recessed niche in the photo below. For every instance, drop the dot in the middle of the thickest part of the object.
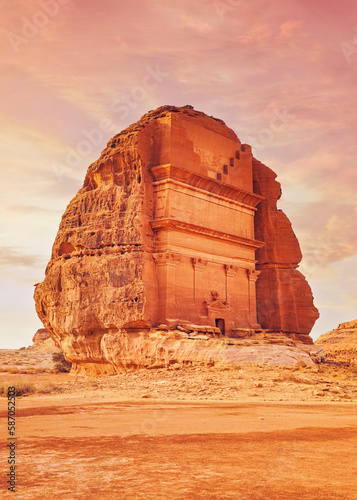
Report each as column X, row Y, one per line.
column 65, row 248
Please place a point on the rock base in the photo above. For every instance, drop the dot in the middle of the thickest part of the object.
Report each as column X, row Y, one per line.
column 126, row 351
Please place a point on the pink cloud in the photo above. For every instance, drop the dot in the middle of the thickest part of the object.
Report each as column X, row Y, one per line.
column 259, row 33
column 121, row 41
column 263, row 32
column 288, row 29
column 195, row 23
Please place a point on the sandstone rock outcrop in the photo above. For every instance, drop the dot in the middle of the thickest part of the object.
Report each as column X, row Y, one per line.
column 341, row 344
column 284, row 299
column 160, row 349
column 164, row 232
column 40, row 336
column 43, row 342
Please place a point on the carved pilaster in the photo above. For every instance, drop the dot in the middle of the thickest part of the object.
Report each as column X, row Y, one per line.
column 166, row 258
column 198, row 268
column 253, row 275
column 230, row 271
column 199, row 264
column 166, row 264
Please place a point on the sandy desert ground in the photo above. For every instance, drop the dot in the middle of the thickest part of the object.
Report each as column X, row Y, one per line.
column 182, row 433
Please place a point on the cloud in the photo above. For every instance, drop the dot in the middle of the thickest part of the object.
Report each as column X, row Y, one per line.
column 288, row 30
column 21, row 210
column 11, row 257
column 195, row 23
column 121, row 41
column 327, row 232
column 335, row 294
column 259, row 33
column 332, row 305
column 327, row 173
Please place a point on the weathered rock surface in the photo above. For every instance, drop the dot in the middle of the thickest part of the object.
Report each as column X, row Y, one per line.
column 40, row 336
column 163, row 231
column 341, row 344
column 44, row 343
column 284, row 298
column 160, row 349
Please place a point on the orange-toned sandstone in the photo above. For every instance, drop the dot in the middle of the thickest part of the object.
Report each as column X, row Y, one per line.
column 284, row 299
column 341, row 344
column 176, row 224
column 40, row 336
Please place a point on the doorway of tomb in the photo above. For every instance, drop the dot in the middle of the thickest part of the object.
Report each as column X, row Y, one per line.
column 221, row 325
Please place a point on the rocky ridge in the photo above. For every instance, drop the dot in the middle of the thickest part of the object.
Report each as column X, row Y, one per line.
column 341, row 344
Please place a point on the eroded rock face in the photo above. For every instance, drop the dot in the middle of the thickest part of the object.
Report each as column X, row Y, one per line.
column 160, row 349
column 284, row 298
column 40, row 336
column 165, row 231
column 341, row 344
column 43, row 343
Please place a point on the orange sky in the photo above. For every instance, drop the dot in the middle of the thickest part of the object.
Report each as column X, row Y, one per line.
column 282, row 74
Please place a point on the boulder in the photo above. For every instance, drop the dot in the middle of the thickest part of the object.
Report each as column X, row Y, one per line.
column 176, row 224
column 40, row 336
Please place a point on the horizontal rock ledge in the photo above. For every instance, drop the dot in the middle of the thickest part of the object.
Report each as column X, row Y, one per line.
column 126, row 351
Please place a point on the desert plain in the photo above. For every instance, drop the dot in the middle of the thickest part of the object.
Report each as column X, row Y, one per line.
column 181, row 432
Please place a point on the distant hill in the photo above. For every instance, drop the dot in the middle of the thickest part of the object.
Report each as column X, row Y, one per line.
column 341, row 344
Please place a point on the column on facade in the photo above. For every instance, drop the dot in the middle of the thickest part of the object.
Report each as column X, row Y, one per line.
column 230, row 271
column 253, row 275
column 198, row 268
column 166, row 264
